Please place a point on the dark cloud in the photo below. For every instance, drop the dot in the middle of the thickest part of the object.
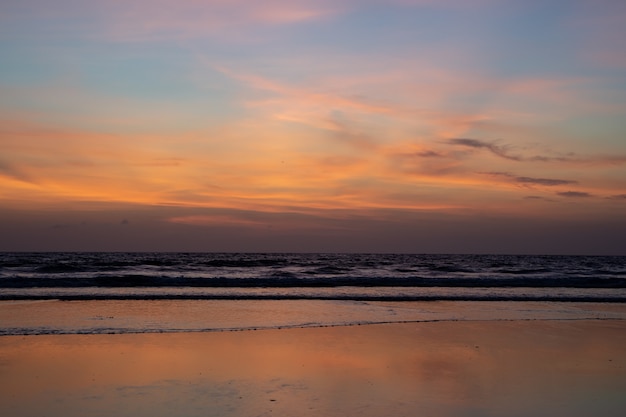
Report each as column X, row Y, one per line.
column 550, row 182
column 429, row 154
column 501, row 151
column 9, row 170
column 504, row 151
column 537, row 197
column 574, row 194
column 544, row 181
column 425, row 162
column 472, row 143
column 618, row 197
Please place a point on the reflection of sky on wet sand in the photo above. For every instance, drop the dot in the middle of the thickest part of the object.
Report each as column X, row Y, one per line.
column 131, row 316
column 445, row 369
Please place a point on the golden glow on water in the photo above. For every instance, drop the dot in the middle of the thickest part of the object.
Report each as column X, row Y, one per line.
column 443, row 369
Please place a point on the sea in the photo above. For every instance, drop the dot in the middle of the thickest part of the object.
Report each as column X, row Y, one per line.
column 94, row 293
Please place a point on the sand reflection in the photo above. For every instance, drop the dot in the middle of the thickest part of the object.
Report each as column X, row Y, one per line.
column 428, row 369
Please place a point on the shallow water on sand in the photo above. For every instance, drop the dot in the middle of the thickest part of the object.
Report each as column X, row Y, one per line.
column 444, row 369
column 146, row 316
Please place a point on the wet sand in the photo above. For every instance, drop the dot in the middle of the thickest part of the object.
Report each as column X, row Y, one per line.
column 470, row 368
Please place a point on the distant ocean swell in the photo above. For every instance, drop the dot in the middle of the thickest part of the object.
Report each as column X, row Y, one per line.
column 373, row 277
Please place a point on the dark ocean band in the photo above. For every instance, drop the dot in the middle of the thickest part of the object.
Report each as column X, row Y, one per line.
column 319, row 282
column 339, row 297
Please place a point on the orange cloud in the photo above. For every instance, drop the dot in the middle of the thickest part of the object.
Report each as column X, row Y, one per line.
column 202, row 169
column 419, row 99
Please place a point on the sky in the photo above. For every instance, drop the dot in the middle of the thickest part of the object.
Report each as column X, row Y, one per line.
column 416, row 126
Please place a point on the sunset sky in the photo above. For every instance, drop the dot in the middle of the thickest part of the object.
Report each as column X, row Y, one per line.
column 454, row 126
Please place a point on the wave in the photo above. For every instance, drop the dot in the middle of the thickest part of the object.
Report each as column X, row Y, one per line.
column 316, row 276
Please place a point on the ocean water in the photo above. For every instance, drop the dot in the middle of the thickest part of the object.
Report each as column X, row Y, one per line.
column 49, row 293
column 90, row 276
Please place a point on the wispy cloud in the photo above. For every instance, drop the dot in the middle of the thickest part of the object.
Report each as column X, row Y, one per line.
column 424, row 162
column 538, row 198
column 542, row 181
column 575, row 194
column 220, row 220
column 9, row 170
column 502, row 151
column 228, row 20
column 549, row 182
column 299, row 96
column 506, row 151
column 158, row 20
column 429, row 154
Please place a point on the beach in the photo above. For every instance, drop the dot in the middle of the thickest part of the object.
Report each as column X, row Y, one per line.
column 448, row 368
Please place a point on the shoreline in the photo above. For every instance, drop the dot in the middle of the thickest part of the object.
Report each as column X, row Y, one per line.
column 311, row 326
column 175, row 316
column 443, row 368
